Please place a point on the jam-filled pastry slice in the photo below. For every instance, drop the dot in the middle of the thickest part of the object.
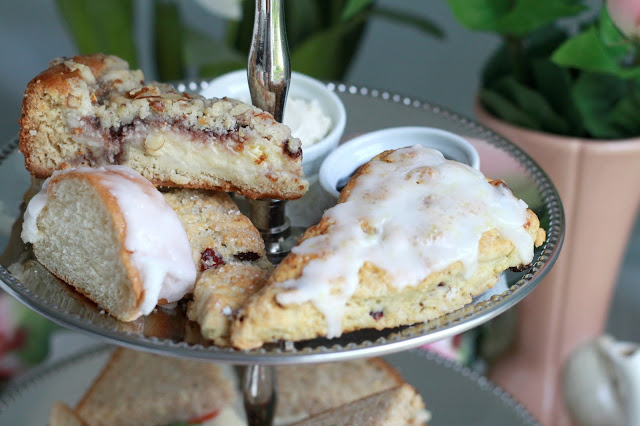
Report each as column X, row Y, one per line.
column 109, row 233
column 229, row 255
column 413, row 236
column 92, row 110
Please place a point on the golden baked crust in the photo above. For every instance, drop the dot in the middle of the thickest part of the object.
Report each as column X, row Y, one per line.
column 92, row 110
column 138, row 388
column 58, row 251
column 229, row 253
column 303, row 389
column 376, row 302
column 63, row 415
column 401, row 405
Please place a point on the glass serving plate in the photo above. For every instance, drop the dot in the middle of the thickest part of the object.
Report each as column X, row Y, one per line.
column 169, row 332
column 29, row 401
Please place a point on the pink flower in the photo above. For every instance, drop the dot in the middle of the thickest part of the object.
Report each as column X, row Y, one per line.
column 626, row 15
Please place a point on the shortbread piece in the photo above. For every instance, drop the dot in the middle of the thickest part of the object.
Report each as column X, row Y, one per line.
column 138, row 388
column 63, row 415
column 92, row 111
column 400, row 406
column 229, row 254
column 303, row 389
column 413, row 236
column 97, row 230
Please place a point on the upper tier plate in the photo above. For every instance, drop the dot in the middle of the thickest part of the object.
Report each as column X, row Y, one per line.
column 170, row 333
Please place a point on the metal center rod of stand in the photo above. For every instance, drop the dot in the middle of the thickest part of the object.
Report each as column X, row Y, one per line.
column 268, row 73
column 259, row 394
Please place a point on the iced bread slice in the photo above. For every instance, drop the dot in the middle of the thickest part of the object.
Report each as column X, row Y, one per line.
column 109, row 233
column 91, row 110
column 413, row 236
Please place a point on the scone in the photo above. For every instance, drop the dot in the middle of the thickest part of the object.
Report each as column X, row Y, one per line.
column 306, row 390
column 97, row 230
column 400, row 406
column 93, row 111
column 229, row 254
column 413, row 236
column 138, row 388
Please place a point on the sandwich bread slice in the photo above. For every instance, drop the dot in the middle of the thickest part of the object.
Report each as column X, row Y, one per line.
column 399, row 406
column 138, row 388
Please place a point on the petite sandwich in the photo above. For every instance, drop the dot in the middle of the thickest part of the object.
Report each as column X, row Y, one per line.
column 399, row 406
column 138, row 388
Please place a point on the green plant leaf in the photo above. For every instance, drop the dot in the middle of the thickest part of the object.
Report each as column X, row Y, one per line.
column 480, row 14
column 497, row 66
column 327, row 53
column 239, row 33
column 508, row 111
column 544, row 41
column 595, row 96
column 168, row 41
column 533, row 104
column 511, row 18
column 302, row 20
column 586, row 52
column 101, row 27
column 113, row 21
column 624, row 115
column 420, row 23
column 79, row 23
column 616, row 44
column 554, row 83
column 200, row 49
column 353, row 7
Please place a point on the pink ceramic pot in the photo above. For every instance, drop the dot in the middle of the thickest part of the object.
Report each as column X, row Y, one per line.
column 599, row 184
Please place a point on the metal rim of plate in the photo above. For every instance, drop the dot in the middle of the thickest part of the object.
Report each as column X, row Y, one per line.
column 38, row 374
column 350, row 345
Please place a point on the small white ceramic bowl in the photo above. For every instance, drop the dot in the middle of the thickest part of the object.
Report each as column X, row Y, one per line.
column 234, row 85
column 348, row 157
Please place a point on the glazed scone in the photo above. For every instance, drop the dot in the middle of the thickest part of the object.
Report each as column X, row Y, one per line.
column 139, row 388
column 97, row 230
column 400, row 406
column 303, row 389
column 229, row 255
column 413, row 236
column 92, row 111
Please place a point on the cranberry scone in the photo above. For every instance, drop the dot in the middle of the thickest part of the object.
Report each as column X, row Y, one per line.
column 413, row 236
column 229, row 255
column 108, row 232
column 92, row 111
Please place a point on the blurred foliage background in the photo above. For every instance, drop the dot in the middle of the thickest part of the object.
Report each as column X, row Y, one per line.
column 323, row 35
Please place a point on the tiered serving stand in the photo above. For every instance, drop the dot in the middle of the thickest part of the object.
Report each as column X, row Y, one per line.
column 168, row 332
